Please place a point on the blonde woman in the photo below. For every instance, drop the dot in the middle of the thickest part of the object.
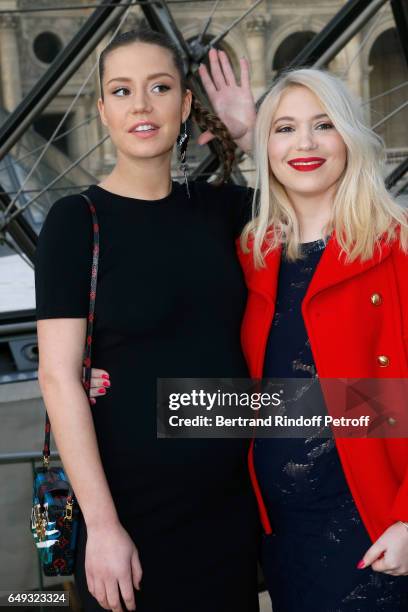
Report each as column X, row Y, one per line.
column 326, row 264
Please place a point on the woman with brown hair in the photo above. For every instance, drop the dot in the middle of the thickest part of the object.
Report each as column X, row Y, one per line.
column 175, row 520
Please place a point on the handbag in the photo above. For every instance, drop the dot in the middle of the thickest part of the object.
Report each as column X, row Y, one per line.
column 55, row 511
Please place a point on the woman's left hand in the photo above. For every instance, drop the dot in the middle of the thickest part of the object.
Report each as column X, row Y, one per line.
column 389, row 554
column 100, row 383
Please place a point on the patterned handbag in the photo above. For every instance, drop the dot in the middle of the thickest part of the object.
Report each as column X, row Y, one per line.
column 55, row 511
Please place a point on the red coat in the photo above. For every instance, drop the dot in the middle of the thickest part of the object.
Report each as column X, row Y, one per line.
column 347, row 333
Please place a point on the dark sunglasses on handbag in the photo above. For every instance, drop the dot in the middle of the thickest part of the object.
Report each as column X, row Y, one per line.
column 55, row 510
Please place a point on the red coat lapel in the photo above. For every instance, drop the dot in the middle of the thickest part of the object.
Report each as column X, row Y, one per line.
column 332, row 268
column 330, row 271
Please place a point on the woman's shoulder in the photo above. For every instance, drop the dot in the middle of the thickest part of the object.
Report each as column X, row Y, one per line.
column 399, row 245
column 235, row 201
column 63, row 260
column 69, row 213
column 67, row 229
column 72, row 206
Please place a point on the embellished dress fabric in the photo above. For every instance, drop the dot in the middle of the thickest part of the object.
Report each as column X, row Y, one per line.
column 309, row 561
column 169, row 303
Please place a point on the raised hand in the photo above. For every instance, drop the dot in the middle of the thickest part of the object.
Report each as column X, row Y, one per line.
column 234, row 104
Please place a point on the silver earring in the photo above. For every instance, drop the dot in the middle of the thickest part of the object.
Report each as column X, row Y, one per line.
column 182, row 143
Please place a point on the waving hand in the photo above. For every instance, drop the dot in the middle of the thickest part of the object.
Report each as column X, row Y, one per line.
column 234, row 104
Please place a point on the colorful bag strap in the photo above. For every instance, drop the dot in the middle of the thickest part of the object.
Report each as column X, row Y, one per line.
column 89, row 330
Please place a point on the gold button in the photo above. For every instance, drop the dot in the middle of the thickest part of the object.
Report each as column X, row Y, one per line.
column 392, row 421
column 376, row 299
column 383, row 361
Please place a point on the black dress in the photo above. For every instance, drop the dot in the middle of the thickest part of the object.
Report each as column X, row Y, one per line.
column 170, row 299
column 309, row 561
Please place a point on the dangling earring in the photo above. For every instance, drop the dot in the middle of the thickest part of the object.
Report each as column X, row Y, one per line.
column 182, row 143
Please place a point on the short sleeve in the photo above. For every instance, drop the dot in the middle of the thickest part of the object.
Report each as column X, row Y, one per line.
column 63, row 260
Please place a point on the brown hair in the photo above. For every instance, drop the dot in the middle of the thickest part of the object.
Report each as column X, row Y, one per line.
column 205, row 119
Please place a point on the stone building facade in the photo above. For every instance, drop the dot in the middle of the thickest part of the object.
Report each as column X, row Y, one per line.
column 371, row 63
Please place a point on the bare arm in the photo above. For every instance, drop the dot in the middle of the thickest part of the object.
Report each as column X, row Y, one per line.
column 60, row 370
column 111, row 556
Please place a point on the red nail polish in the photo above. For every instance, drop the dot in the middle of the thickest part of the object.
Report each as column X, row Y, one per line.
column 93, row 400
column 105, row 375
column 360, row 564
column 102, row 390
column 106, row 383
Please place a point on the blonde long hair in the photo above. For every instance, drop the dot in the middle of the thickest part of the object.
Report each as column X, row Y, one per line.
column 363, row 210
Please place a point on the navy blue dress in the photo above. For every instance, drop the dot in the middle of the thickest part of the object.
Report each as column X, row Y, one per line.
column 309, row 562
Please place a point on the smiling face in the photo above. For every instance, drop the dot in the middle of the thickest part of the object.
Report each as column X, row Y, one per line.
column 306, row 153
column 144, row 103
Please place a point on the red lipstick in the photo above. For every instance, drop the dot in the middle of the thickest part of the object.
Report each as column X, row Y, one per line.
column 306, row 164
